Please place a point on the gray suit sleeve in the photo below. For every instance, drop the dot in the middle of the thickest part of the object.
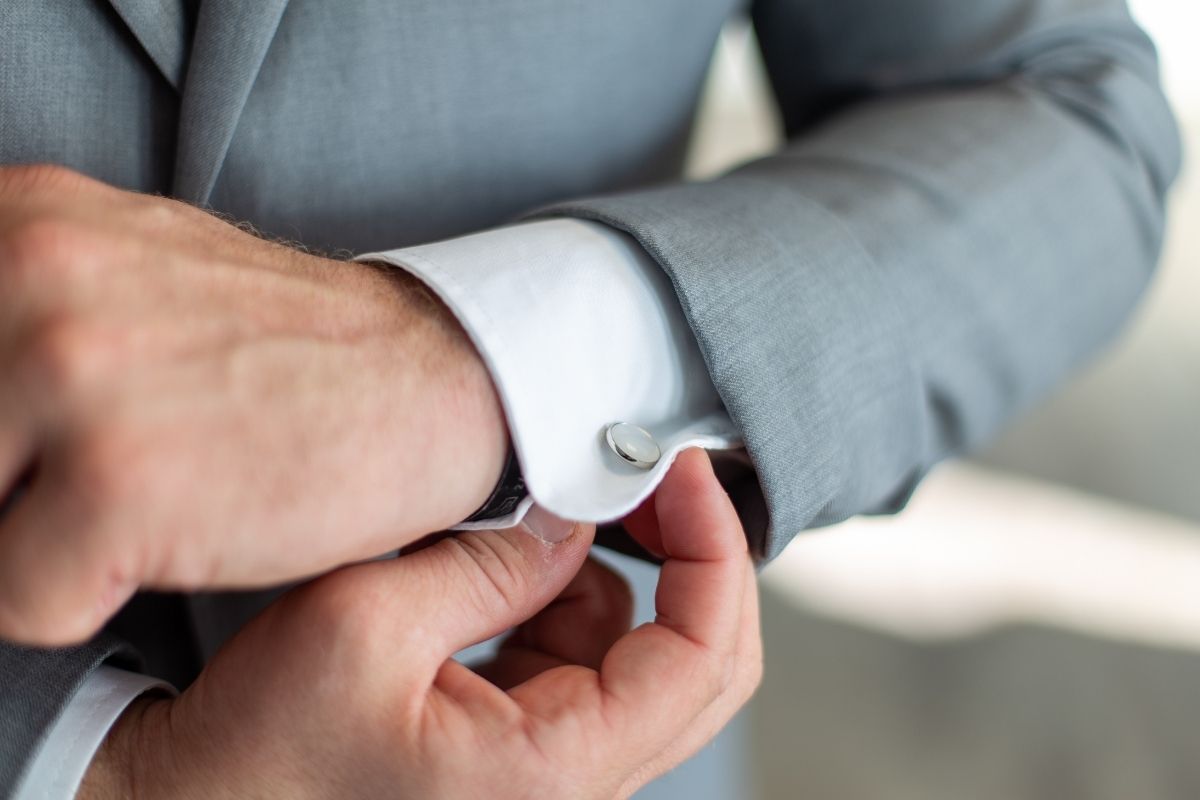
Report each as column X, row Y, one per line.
column 35, row 686
column 969, row 204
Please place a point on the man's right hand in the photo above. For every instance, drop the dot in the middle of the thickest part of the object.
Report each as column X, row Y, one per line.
column 345, row 687
column 194, row 407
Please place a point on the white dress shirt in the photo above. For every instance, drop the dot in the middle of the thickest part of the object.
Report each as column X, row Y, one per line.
column 77, row 734
column 580, row 329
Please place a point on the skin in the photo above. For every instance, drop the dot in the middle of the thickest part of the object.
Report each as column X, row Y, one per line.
column 345, row 687
column 187, row 406
column 192, row 406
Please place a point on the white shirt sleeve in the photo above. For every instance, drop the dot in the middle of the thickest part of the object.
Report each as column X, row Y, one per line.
column 63, row 758
column 580, row 328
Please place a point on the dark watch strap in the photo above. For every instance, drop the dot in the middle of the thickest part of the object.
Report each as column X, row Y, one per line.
column 508, row 492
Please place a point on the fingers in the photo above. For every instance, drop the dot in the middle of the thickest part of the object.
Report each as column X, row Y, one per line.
column 747, row 675
column 16, row 449
column 642, row 525
column 701, row 537
column 656, row 681
column 16, row 452
column 578, row 627
column 664, row 674
column 18, row 435
column 476, row 584
column 60, row 578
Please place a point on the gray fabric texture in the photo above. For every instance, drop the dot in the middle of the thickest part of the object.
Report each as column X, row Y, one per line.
column 969, row 205
column 923, row 262
column 35, row 685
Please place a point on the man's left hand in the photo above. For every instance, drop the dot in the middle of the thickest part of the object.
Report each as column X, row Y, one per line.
column 192, row 406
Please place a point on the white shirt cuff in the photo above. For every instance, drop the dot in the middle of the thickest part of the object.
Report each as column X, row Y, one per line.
column 63, row 758
column 579, row 328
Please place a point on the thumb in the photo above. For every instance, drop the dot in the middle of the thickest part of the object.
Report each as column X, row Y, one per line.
column 471, row 586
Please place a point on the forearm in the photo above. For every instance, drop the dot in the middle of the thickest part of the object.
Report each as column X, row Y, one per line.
column 924, row 263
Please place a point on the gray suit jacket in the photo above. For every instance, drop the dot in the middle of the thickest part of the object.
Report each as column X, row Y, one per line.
column 970, row 202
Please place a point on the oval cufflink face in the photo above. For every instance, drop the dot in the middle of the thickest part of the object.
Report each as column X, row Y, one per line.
column 633, row 444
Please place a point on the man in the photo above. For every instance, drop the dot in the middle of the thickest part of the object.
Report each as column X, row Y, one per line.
column 969, row 204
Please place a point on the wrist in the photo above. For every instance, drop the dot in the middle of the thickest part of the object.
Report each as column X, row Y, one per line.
column 470, row 426
column 123, row 764
column 149, row 755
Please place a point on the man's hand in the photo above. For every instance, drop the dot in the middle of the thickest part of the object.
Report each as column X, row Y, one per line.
column 345, row 688
column 192, row 406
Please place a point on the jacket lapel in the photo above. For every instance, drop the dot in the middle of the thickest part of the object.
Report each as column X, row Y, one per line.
column 231, row 40
column 164, row 31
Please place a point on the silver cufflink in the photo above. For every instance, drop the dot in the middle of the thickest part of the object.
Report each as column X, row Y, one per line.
column 633, row 444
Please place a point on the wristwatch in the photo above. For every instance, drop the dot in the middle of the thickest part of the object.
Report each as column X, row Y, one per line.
column 509, row 491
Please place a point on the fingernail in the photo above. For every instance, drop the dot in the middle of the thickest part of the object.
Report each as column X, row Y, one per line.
column 545, row 526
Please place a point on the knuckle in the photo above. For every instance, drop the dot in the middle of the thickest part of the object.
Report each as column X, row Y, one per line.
column 106, row 468
column 748, row 669
column 43, row 245
column 65, row 351
column 725, row 676
column 718, row 672
column 186, row 561
column 167, row 212
column 51, row 607
column 157, row 213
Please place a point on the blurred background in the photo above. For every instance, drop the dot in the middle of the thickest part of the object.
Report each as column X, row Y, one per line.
column 1030, row 626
